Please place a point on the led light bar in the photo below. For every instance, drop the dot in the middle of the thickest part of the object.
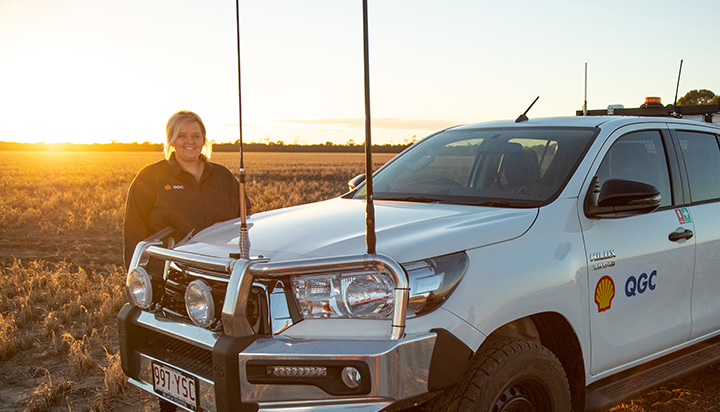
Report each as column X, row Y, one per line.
column 296, row 371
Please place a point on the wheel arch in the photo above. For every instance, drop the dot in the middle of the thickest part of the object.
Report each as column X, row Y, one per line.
column 553, row 331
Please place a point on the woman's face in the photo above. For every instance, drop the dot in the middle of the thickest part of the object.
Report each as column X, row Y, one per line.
column 189, row 142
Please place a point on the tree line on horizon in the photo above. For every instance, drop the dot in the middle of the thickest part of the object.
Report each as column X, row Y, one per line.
column 278, row 146
column 281, row 146
column 692, row 97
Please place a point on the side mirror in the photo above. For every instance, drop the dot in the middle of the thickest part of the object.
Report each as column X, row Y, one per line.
column 355, row 181
column 620, row 198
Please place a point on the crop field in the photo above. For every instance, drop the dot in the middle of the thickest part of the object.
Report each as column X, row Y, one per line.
column 62, row 282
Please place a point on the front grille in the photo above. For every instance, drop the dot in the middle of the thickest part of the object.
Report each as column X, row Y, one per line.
column 172, row 301
column 178, row 353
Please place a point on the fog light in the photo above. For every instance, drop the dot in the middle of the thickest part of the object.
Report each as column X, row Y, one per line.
column 296, row 371
column 199, row 303
column 139, row 288
column 351, row 377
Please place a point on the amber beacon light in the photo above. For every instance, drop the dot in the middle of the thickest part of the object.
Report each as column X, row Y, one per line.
column 652, row 102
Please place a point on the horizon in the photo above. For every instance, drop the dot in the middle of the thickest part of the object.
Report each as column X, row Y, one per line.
column 80, row 69
column 270, row 143
column 216, row 146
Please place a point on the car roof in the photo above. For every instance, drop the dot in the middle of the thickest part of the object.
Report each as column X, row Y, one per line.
column 585, row 121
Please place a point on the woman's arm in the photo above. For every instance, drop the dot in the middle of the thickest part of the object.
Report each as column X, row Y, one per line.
column 140, row 201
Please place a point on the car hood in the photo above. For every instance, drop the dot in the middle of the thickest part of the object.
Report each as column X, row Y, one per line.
column 405, row 231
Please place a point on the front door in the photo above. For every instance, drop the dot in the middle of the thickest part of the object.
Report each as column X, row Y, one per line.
column 640, row 281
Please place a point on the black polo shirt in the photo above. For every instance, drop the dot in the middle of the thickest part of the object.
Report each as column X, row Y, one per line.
column 164, row 195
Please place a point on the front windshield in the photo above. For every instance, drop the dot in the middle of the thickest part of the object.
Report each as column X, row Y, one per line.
column 513, row 167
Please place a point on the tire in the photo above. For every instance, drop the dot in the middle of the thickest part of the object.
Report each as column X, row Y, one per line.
column 509, row 375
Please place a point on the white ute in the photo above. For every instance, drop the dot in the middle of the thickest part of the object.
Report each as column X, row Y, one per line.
column 543, row 265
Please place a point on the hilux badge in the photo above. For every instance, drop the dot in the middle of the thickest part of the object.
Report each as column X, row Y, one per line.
column 605, row 255
column 608, row 254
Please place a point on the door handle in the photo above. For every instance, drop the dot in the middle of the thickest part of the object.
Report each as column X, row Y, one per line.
column 676, row 236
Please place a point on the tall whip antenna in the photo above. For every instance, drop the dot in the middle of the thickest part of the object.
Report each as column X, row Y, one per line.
column 585, row 102
column 370, row 239
column 244, row 239
column 676, row 89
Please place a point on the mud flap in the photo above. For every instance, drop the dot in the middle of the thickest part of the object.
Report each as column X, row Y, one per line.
column 449, row 361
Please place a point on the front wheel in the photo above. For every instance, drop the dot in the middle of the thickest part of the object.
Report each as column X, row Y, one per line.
column 509, row 375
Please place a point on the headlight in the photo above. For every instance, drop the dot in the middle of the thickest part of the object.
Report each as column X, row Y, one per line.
column 139, row 288
column 433, row 280
column 367, row 295
column 199, row 303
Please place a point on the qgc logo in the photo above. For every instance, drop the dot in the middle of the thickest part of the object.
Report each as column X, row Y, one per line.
column 637, row 286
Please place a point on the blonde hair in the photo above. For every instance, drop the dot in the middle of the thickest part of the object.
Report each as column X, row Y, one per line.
column 176, row 122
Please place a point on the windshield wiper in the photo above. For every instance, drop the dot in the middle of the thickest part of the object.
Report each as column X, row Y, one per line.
column 508, row 203
column 418, row 199
column 466, row 201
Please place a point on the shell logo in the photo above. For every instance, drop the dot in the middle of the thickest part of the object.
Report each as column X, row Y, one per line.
column 604, row 293
column 168, row 187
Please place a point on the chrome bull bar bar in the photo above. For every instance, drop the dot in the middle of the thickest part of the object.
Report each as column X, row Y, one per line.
column 243, row 271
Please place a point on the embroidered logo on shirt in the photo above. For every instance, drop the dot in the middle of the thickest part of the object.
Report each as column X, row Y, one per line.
column 168, row 187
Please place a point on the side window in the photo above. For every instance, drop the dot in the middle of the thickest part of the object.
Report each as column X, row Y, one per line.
column 702, row 162
column 640, row 157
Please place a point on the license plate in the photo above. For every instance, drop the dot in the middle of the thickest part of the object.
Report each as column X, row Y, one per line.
column 175, row 385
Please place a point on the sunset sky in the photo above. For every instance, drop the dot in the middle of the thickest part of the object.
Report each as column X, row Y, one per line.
column 86, row 71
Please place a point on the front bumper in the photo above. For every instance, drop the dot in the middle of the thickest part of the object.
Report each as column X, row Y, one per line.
column 229, row 370
column 237, row 369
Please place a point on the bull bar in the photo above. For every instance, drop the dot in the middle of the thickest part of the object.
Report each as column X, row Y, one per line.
column 389, row 361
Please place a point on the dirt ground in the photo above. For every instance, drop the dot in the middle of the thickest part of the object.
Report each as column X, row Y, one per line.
column 38, row 380
column 42, row 375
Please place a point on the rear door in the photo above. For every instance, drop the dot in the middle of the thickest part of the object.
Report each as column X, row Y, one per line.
column 640, row 281
column 700, row 150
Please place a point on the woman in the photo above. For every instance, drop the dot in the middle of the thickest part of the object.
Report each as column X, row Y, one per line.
column 184, row 192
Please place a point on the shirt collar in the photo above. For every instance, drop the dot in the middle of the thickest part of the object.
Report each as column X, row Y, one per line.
column 177, row 169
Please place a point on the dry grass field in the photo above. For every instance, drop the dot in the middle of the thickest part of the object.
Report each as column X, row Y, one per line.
column 61, row 280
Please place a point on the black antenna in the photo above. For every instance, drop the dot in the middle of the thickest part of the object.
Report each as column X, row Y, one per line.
column 523, row 117
column 675, row 112
column 244, row 239
column 370, row 239
column 585, row 102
